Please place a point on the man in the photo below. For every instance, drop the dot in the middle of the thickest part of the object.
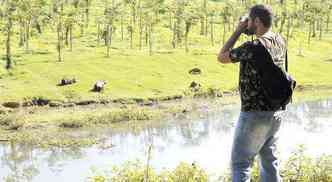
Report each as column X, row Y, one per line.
column 259, row 121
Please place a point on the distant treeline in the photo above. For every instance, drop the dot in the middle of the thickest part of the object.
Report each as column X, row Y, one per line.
column 138, row 20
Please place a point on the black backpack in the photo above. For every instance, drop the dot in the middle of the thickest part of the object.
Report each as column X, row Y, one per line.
column 278, row 85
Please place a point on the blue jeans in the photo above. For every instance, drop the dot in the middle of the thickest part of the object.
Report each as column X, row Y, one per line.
column 256, row 133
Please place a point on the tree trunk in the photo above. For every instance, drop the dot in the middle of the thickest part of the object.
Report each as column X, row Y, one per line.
column 314, row 28
column 150, row 39
column 71, row 37
column 170, row 20
column 22, row 32
column 309, row 33
column 288, row 29
column 140, row 32
column 82, row 25
column 38, row 27
column 111, row 34
column 188, row 25
column 302, row 27
column 202, row 32
column 327, row 22
column 67, row 35
column 130, row 28
column 229, row 24
column 8, row 48
column 283, row 20
column 87, row 13
column 224, row 34
column 212, row 31
column 27, row 35
column 177, row 31
column 206, row 26
column 133, row 9
column 146, row 34
column 108, row 39
column 320, row 28
column 98, row 33
column 59, row 34
column 205, row 18
column 122, row 31
column 291, row 31
column 174, row 36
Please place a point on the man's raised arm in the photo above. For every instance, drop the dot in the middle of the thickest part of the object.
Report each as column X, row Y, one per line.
column 223, row 56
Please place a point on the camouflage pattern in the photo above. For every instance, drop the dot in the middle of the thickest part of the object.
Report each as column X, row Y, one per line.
column 251, row 91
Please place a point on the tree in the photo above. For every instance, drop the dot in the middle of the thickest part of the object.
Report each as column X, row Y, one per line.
column 213, row 13
column 177, row 7
column 190, row 18
column 82, row 11
column 149, row 18
column 111, row 13
column 204, row 17
column 58, row 18
column 28, row 13
column 226, row 16
column 87, row 12
column 70, row 19
column 284, row 16
column 133, row 6
column 131, row 27
column 328, row 14
column 25, row 17
column 9, row 14
column 142, row 12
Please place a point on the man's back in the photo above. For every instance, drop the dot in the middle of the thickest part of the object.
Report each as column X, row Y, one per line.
column 250, row 82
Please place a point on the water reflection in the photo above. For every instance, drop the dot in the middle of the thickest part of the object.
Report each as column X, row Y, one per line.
column 206, row 140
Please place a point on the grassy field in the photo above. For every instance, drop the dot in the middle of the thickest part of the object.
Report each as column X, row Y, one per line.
column 132, row 73
column 135, row 74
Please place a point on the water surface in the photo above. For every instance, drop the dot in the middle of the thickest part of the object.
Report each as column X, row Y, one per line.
column 205, row 140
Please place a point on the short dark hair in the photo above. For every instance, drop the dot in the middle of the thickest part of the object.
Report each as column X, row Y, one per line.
column 264, row 13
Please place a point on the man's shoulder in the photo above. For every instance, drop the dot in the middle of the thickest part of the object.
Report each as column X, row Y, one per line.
column 253, row 43
column 249, row 45
column 271, row 39
column 253, row 46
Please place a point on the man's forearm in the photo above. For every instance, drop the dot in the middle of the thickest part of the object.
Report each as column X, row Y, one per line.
column 231, row 41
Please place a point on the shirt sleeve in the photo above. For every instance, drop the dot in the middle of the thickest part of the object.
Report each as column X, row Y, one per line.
column 242, row 53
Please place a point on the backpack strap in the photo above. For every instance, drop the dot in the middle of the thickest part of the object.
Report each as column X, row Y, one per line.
column 286, row 61
column 286, row 67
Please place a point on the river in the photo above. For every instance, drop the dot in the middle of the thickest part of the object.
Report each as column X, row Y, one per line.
column 205, row 139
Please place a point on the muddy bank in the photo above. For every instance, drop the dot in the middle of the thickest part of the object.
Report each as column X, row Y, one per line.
column 59, row 126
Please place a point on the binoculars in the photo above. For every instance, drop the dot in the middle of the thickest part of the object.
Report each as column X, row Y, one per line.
column 245, row 18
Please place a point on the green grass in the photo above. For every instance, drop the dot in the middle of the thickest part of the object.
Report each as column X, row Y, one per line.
column 137, row 75
column 134, row 74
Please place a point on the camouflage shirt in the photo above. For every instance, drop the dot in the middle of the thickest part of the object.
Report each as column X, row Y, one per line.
column 250, row 87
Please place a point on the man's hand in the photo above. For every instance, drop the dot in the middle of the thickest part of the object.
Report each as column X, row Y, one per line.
column 243, row 25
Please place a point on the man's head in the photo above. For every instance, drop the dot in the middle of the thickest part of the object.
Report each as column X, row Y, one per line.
column 260, row 18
